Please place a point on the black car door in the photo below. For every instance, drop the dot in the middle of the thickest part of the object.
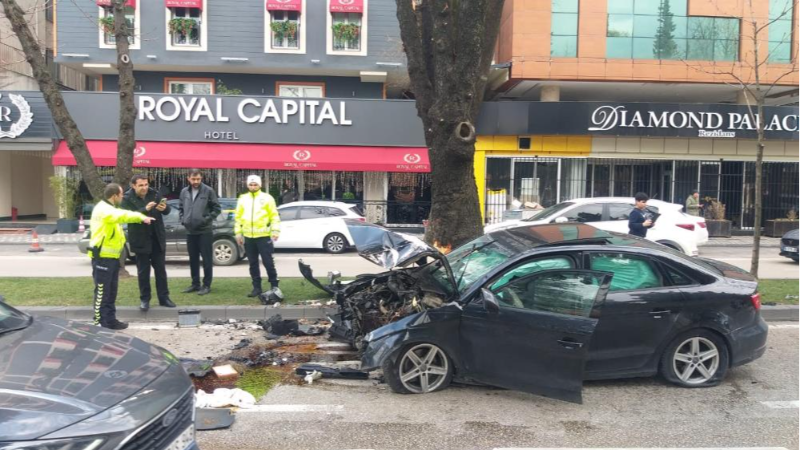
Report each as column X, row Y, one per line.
column 532, row 333
column 176, row 232
column 640, row 312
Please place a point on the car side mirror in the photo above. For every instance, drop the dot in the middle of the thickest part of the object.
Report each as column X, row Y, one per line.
column 561, row 220
column 490, row 302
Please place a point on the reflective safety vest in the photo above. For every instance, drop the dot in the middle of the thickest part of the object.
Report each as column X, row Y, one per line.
column 108, row 237
column 257, row 216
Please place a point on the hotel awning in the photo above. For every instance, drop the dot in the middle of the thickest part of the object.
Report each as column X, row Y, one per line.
column 347, row 6
column 129, row 3
column 184, row 4
column 284, row 5
column 224, row 155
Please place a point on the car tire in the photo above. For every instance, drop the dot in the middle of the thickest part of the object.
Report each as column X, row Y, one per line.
column 334, row 243
column 413, row 357
column 682, row 362
column 226, row 252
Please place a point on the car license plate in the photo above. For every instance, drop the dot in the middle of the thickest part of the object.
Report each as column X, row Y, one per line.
column 790, row 249
column 183, row 441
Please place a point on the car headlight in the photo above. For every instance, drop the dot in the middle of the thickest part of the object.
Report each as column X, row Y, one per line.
column 85, row 443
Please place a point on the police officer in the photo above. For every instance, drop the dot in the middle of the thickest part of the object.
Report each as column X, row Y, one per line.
column 257, row 227
column 105, row 249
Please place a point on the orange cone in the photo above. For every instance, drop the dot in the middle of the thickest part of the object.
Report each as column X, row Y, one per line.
column 35, row 248
column 81, row 225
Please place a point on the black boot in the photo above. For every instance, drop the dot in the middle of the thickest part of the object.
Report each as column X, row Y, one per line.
column 166, row 303
column 144, row 306
column 254, row 293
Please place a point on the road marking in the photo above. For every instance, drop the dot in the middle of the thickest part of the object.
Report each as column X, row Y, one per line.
column 784, row 326
column 782, row 405
column 293, row 408
column 645, row 448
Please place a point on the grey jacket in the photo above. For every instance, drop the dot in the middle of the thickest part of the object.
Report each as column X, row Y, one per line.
column 199, row 214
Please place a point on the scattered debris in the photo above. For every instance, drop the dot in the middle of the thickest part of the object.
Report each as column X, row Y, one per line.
column 188, row 318
column 243, row 343
column 226, row 372
column 331, row 372
column 277, row 326
column 222, row 397
column 196, row 367
column 312, row 376
column 309, row 330
column 272, row 296
column 213, row 418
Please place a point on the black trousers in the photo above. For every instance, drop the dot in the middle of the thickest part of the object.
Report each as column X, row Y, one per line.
column 105, row 272
column 255, row 247
column 199, row 245
column 157, row 261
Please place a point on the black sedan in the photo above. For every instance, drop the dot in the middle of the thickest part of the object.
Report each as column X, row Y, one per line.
column 542, row 308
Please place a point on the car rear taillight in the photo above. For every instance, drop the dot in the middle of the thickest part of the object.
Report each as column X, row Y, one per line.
column 685, row 226
column 756, row 299
column 701, row 224
column 362, row 219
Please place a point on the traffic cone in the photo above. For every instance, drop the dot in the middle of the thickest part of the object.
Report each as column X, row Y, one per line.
column 35, row 248
column 81, row 225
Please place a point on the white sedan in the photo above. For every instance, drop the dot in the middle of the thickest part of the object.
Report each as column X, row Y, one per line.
column 317, row 224
column 673, row 227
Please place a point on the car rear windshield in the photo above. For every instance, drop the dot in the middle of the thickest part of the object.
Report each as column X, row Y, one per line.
column 549, row 211
column 11, row 319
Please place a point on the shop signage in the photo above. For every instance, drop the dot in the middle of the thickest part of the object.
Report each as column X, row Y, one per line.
column 13, row 128
column 248, row 110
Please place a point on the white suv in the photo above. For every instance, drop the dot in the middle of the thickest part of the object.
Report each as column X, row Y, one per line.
column 317, row 224
column 673, row 228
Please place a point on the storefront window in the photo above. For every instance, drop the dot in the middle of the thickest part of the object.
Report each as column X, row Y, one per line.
column 192, row 87
column 316, row 185
column 498, row 188
column 283, row 186
column 780, row 30
column 310, row 90
column 409, row 199
column 349, row 187
column 564, row 28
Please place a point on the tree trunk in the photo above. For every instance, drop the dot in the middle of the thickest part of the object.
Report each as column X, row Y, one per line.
column 127, row 108
column 758, row 204
column 52, row 96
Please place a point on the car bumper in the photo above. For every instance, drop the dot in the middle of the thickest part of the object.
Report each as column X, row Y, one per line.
column 749, row 343
column 789, row 252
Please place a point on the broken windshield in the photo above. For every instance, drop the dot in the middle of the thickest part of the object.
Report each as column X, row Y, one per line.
column 474, row 259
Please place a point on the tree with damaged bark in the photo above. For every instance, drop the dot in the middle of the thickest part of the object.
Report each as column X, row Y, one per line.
column 748, row 74
column 449, row 46
column 34, row 54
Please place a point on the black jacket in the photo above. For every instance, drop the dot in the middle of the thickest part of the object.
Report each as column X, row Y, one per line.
column 635, row 220
column 199, row 214
column 140, row 236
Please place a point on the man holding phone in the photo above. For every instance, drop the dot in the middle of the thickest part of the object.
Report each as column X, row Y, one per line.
column 639, row 220
column 149, row 242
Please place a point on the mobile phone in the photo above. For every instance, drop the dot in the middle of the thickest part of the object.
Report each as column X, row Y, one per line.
column 163, row 201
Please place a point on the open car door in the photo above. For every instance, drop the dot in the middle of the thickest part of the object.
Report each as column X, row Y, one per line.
column 532, row 334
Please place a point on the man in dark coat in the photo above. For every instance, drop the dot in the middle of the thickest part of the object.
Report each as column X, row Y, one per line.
column 148, row 242
column 199, row 208
column 639, row 220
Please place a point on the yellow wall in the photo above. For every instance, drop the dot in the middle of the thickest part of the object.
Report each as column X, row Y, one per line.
column 509, row 146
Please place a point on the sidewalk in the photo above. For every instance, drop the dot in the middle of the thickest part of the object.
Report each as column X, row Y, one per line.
column 741, row 241
column 26, row 239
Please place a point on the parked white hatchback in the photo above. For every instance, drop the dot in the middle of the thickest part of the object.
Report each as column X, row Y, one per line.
column 317, row 224
column 673, row 228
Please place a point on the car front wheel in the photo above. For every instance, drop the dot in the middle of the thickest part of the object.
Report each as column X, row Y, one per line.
column 226, row 252
column 335, row 243
column 418, row 369
column 697, row 358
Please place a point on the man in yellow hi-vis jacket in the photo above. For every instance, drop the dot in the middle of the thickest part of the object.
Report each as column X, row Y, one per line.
column 105, row 249
column 257, row 226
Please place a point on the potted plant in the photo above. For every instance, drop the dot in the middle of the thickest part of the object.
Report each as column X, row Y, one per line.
column 182, row 26
column 65, row 192
column 347, row 32
column 779, row 227
column 716, row 223
column 107, row 23
column 284, row 29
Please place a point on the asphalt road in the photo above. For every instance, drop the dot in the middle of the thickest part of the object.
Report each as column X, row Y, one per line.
column 756, row 406
column 67, row 261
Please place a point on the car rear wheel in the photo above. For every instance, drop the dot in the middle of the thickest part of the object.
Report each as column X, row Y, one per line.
column 335, row 243
column 418, row 369
column 226, row 252
column 698, row 358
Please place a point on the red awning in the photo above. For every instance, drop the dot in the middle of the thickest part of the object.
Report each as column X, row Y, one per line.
column 214, row 155
column 347, row 6
column 184, row 4
column 131, row 3
column 284, row 5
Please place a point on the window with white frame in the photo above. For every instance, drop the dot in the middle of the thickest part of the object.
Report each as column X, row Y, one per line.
column 107, row 24
column 186, row 27
column 194, row 87
column 346, row 31
column 301, row 90
column 285, row 29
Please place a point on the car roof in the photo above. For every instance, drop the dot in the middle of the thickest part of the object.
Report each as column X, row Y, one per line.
column 651, row 202
column 319, row 203
column 527, row 237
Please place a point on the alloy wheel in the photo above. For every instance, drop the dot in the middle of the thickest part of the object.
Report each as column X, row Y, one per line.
column 423, row 368
column 335, row 243
column 223, row 253
column 696, row 360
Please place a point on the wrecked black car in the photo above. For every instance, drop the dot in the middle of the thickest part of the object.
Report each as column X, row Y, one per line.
column 542, row 308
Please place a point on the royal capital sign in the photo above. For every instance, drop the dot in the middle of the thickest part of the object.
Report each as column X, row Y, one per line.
column 14, row 126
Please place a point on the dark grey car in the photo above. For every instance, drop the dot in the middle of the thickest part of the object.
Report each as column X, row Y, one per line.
column 789, row 245
column 69, row 386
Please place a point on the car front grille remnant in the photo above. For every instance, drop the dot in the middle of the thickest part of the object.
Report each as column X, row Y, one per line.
column 162, row 431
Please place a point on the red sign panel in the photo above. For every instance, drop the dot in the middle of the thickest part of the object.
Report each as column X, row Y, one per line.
column 184, row 4
column 218, row 155
column 347, row 6
column 129, row 3
column 285, row 5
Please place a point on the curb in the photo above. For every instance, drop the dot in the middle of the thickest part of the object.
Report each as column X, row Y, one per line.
column 782, row 313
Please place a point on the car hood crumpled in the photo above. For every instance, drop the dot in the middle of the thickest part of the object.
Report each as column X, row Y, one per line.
column 386, row 248
column 55, row 373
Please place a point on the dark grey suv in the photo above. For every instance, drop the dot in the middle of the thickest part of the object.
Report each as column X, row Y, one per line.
column 70, row 386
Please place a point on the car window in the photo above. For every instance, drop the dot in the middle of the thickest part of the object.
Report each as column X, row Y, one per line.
column 357, row 210
column 335, row 212
column 630, row 271
column 619, row 211
column 173, row 217
column 585, row 213
column 677, row 278
column 569, row 293
column 289, row 213
column 531, row 267
column 313, row 212
column 549, row 211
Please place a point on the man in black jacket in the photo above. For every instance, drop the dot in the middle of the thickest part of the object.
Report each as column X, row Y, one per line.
column 199, row 208
column 639, row 220
column 148, row 242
